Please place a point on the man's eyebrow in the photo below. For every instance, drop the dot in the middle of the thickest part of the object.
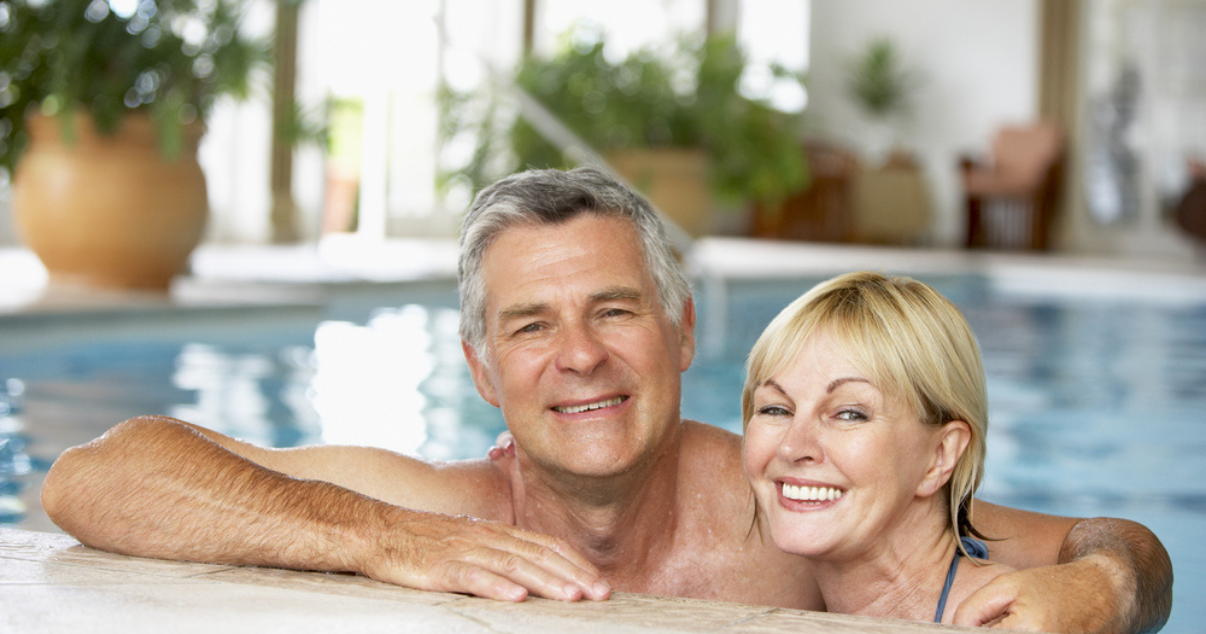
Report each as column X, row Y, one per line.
column 522, row 310
column 618, row 292
column 519, row 311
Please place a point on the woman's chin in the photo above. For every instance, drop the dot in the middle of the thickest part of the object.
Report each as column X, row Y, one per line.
column 804, row 543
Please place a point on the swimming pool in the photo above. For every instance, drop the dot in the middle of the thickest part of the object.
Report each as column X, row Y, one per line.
column 1098, row 401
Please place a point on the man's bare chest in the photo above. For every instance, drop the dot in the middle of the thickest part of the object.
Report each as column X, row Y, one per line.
column 739, row 571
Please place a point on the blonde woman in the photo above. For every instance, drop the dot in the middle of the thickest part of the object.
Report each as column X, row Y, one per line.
column 865, row 414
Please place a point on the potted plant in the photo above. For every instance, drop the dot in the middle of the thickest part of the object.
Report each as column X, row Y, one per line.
column 674, row 123
column 102, row 105
column 882, row 86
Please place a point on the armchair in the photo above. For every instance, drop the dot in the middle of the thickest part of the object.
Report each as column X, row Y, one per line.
column 1190, row 212
column 1011, row 201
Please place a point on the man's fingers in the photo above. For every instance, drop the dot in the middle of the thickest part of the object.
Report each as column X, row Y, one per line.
column 1062, row 598
column 551, row 562
column 1017, row 622
column 521, row 570
column 565, row 551
column 495, row 574
column 471, row 579
column 504, row 446
column 988, row 605
column 460, row 554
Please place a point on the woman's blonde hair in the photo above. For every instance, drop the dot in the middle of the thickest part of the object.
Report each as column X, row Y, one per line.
column 912, row 343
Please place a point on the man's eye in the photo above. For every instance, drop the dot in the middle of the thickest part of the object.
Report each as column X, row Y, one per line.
column 530, row 328
column 615, row 312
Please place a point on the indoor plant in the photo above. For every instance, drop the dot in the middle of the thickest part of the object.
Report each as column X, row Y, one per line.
column 82, row 78
column 882, row 86
column 683, row 103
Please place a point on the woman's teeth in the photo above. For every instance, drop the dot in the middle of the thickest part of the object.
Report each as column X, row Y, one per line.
column 810, row 494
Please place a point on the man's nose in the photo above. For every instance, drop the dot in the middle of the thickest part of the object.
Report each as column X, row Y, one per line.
column 580, row 352
column 801, row 441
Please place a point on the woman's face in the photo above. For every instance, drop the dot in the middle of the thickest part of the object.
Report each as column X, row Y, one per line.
column 836, row 464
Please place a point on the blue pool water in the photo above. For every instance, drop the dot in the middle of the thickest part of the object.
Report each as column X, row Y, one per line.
column 1098, row 405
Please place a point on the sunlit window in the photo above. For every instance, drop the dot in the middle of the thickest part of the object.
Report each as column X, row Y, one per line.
column 377, row 65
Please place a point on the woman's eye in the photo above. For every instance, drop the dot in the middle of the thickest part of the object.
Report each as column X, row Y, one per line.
column 852, row 415
column 773, row 410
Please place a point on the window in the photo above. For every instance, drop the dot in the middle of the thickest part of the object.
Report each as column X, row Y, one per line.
column 378, row 63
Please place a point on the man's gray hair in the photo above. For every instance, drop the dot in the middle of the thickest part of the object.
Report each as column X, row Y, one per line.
column 548, row 197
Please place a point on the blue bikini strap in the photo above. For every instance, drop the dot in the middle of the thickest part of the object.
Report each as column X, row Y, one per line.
column 975, row 548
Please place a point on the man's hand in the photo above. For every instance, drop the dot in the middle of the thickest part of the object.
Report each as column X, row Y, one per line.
column 1114, row 577
column 1078, row 597
column 504, row 447
column 487, row 559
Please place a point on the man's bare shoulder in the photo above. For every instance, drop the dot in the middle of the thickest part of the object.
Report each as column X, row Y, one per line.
column 712, row 448
column 712, row 481
column 463, row 487
column 477, row 488
column 720, row 546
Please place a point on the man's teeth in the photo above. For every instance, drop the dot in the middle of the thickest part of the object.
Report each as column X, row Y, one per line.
column 578, row 409
column 810, row 494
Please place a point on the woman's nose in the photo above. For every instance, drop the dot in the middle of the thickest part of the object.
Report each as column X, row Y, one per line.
column 801, row 442
column 581, row 351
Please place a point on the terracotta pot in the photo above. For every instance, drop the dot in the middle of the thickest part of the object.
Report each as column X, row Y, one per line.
column 673, row 179
column 110, row 210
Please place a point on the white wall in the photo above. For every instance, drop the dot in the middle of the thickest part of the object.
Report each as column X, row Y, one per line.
column 1165, row 42
column 8, row 232
column 979, row 63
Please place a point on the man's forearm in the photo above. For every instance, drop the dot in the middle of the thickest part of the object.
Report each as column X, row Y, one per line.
column 155, row 488
column 1140, row 563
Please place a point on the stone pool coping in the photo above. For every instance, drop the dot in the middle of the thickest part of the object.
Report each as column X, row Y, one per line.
column 50, row 583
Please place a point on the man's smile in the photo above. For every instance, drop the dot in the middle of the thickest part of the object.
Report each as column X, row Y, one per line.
column 586, row 407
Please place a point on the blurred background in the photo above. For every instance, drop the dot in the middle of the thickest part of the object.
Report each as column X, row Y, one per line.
column 884, row 99
column 1041, row 162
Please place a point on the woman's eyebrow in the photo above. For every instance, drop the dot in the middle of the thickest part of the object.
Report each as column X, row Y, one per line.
column 771, row 383
column 836, row 383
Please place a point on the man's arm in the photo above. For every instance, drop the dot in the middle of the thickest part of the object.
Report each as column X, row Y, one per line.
column 1113, row 577
column 157, row 487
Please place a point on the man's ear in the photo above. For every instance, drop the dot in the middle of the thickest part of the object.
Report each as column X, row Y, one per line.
column 952, row 441
column 686, row 335
column 480, row 374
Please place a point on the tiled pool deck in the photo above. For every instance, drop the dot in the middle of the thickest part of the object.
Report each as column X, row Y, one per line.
column 49, row 583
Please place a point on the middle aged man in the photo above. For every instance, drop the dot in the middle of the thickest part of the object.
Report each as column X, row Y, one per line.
column 577, row 323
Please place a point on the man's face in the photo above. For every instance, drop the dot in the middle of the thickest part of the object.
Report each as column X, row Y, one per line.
column 579, row 355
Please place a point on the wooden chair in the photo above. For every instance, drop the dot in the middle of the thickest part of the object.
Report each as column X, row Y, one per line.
column 1190, row 212
column 822, row 211
column 1011, row 200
